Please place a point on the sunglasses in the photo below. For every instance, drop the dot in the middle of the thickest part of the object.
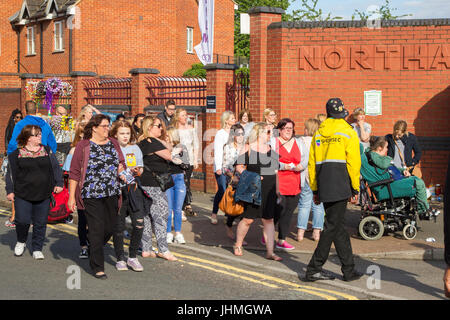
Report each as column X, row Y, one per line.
column 18, row 117
column 158, row 125
column 239, row 134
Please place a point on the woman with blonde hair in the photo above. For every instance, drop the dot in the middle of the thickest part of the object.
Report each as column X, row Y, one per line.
column 188, row 138
column 261, row 160
column 270, row 117
column 305, row 202
column 362, row 128
column 227, row 120
column 156, row 157
column 86, row 113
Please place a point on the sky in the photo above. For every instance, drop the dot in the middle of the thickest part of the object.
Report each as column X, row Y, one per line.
column 420, row 9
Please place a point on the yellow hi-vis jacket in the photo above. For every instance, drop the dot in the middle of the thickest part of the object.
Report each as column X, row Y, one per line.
column 334, row 161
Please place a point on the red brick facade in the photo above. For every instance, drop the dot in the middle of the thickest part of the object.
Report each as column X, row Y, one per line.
column 112, row 37
column 300, row 66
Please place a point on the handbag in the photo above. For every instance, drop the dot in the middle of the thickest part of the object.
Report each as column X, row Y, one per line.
column 228, row 205
column 164, row 180
column 395, row 173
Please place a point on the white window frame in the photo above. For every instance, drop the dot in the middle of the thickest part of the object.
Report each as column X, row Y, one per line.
column 31, row 41
column 189, row 40
column 58, row 36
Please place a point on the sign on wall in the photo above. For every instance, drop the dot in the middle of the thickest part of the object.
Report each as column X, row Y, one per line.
column 372, row 103
column 210, row 104
column 206, row 23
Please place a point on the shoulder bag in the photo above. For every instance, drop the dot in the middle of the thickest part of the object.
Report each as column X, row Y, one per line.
column 415, row 169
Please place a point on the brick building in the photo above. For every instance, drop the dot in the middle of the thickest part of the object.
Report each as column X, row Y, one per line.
column 107, row 37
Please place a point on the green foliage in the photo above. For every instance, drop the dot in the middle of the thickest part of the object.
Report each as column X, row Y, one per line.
column 243, row 70
column 196, row 70
column 310, row 12
column 385, row 12
column 242, row 41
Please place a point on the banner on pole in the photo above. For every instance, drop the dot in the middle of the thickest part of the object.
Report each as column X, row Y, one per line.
column 204, row 49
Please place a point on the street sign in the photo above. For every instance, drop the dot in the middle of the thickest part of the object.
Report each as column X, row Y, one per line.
column 210, row 104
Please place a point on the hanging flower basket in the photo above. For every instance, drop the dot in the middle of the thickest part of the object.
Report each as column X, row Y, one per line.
column 49, row 92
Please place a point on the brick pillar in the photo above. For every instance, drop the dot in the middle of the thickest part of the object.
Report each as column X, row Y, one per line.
column 217, row 76
column 138, row 91
column 24, row 78
column 260, row 19
column 78, row 93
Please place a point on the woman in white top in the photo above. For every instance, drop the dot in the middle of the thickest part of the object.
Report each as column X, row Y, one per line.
column 362, row 128
column 227, row 120
column 188, row 138
column 246, row 121
column 231, row 151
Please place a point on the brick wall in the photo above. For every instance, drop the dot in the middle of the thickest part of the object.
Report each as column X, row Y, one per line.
column 8, row 37
column 9, row 100
column 307, row 65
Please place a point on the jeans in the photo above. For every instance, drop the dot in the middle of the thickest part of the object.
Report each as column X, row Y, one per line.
column 305, row 203
column 35, row 213
column 175, row 200
column 137, row 222
column 222, row 186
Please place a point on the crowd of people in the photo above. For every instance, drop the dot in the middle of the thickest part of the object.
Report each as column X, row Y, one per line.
column 141, row 167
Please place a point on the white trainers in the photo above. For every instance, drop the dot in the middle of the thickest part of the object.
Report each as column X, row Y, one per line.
column 37, row 255
column 170, row 237
column 179, row 239
column 19, row 249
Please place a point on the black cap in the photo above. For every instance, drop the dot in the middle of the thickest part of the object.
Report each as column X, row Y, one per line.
column 335, row 109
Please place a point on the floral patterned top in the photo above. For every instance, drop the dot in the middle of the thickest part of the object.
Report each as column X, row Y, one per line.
column 102, row 172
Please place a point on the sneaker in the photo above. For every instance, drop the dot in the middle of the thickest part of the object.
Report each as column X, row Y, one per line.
column 285, row 246
column 170, row 237
column 9, row 224
column 134, row 264
column 37, row 255
column 69, row 219
column 84, row 254
column 179, row 238
column 19, row 249
column 121, row 266
column 435, row 212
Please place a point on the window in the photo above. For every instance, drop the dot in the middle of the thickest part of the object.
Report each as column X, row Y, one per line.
column 190, row 40
column 30, row 41
column 59, row 36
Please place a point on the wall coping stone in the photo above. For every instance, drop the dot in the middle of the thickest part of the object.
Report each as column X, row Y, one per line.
column 273, row 10
column 220, row 66
column 83, row 74
column 358, row 23
column 144, row 71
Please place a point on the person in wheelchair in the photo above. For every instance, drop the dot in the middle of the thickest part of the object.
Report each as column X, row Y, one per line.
column 405, row 185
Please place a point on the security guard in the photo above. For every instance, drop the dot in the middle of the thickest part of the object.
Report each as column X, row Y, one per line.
column 334, row 170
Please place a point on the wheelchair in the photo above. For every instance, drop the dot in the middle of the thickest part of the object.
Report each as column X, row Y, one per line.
column 379, row 217
column 384, row 211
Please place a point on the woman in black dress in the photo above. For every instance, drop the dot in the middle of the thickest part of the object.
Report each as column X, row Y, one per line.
column 259, row 158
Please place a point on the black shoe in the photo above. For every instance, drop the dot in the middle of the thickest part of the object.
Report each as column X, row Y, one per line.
column 319, row 276
column 354, row 275
column 102, row 276
column 84, row 254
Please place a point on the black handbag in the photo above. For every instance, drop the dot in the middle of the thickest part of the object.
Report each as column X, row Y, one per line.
column 164, row 179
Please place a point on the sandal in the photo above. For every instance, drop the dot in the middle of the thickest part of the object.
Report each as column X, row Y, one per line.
column 274, row 257
column 150, row 254
column 237, row 251
column 167, row 255
column 188, row 210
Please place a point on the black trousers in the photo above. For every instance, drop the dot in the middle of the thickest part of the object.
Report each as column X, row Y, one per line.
column 136, row 212
column 101, row 215
column 187, row 182
column 333, row 232
column 82, row 228
column 283, row 216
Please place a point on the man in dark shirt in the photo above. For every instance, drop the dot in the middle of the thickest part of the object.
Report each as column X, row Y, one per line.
column 167, row 114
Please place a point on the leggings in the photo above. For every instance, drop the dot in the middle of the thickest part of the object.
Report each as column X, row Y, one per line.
column 156, row 213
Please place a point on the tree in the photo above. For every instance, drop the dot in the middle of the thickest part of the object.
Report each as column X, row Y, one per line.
column 310, row 12
column 384, row 13
column 242, row 41
column 196, row 70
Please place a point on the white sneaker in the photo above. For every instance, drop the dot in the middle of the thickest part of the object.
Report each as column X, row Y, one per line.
column 37, row 255
column 19, row 249
column 170, row 237
column 179, row 239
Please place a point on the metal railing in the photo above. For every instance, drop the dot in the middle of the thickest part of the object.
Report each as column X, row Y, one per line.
column 184, row 91
column 116, row 91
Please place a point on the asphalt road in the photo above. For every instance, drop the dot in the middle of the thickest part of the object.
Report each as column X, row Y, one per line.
column 202, row 273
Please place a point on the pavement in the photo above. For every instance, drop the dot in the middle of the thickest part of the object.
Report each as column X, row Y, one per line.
column 199, row 232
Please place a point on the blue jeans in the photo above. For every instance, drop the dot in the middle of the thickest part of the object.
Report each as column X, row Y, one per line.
column 175, row 200
column 222, row 186
column 305, row 204
column 35, row 213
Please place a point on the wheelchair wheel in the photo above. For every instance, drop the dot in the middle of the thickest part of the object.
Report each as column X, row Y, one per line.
column 409, row 232
column 371, row 228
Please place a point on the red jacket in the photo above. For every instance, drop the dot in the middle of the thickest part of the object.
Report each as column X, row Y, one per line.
column 79, row 164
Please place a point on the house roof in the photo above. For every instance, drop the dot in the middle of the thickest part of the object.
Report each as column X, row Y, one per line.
column 41, row 8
